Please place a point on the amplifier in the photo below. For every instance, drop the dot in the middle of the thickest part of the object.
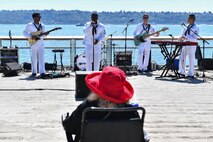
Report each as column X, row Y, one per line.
column 206, row 64
column 8, row 55
column 120, row 59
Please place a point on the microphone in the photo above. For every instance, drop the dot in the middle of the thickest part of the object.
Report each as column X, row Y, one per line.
column 10, row 35
column 170, row 35
column 130, row 21
column 113, row 33
column 183, row 24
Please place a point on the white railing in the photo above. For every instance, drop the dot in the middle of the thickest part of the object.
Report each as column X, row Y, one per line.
column 73, row 40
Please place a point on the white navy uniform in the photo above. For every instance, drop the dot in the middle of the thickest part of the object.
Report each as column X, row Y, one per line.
column 144, row 48
column 188, row 50
column 37, row 50
column 88, row 42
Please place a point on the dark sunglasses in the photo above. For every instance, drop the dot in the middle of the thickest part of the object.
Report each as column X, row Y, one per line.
column 38, row 17
column 145, row 17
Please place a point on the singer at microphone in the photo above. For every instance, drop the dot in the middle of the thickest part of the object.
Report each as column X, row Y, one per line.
column 94, row 35
column 190, row 34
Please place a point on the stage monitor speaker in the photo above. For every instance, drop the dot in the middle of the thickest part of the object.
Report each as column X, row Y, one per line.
column 206, row 63
column 11, row 69
column 81, row 89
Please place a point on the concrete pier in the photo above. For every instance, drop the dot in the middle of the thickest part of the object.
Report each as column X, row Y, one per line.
column 182, row 110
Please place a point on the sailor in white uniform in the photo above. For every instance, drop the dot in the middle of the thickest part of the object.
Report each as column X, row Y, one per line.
column 189, row 51
column 37, row 50
column 144, row 48
column 94, row 27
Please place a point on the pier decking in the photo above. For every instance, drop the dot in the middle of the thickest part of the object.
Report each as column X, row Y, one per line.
column 30, row 110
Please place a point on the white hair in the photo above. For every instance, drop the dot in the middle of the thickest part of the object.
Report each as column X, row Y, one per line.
column 104, row 103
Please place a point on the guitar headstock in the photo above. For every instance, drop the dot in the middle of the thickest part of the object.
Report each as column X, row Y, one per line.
column 57, row 28
column 164, row 29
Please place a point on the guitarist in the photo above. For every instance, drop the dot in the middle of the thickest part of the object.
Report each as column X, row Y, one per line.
column 145, row 47
column 37, row 50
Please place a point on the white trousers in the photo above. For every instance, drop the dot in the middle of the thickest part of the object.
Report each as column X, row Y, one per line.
column 37, row 57
column 190, row 52
column 89, row 57
column 143, row 55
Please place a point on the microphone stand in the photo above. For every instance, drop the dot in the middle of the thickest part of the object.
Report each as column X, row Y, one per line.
column 125, row 47
column 172, row 41
column 204, row 42
column 111, row 45
column 10, row 36
column 93, row 47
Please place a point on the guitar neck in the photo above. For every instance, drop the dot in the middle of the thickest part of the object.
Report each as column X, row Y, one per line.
column 154, row 33
column 47, row 32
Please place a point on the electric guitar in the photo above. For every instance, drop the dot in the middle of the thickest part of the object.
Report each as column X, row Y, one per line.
column 36, row 35
column 141, row 37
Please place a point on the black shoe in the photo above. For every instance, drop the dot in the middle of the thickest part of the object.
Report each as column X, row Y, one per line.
column 182, row 75
column 191, row 77
column 42, row 75
column 33, row 75
column 140, row 71
column 146, row 71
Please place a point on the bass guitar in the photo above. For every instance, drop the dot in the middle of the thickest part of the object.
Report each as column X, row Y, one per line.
column 141, row 38
column 37, row 35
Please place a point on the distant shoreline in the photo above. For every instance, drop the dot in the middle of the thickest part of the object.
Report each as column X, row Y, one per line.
column 67, row 17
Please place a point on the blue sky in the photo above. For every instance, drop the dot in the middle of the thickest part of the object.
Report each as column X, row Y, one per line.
column 111, row 5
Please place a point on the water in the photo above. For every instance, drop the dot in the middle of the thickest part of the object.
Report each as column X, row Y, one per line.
column 72, row 30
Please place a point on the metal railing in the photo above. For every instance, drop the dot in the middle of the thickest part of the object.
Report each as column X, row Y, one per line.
column 72, row 43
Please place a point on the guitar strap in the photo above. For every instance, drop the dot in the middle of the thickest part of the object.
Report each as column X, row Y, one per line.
column 188, row 29
column 39, row 27
column 146, row 29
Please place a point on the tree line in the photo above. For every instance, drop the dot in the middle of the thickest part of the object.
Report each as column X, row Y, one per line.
column 120, row 17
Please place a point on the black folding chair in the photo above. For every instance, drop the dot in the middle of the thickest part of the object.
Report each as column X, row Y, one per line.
column 112, row 125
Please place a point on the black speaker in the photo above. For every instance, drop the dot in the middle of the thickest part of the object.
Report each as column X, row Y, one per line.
column 81, row 89
column 11, row 69
column 206, row 64
column 27, row 66
column 48, row 66
column 122, row 59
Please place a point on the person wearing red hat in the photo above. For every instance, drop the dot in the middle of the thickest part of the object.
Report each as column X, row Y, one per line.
column 110, row 89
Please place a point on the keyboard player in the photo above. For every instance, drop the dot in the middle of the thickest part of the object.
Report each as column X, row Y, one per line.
column 188, row 35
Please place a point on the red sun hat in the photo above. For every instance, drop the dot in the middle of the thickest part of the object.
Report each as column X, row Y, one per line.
column 110, row 84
